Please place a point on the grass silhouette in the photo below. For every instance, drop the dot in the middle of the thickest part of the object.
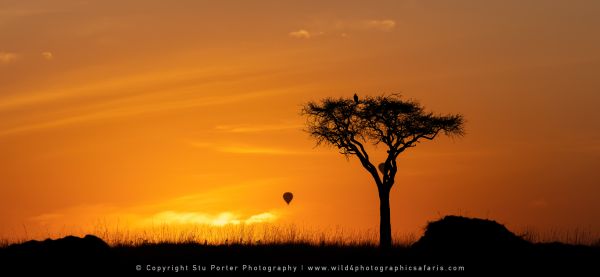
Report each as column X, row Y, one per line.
column 239, row 234
column 273, row 233
column 481, row 246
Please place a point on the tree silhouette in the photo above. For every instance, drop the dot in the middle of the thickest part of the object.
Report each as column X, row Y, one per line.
column 349, row 124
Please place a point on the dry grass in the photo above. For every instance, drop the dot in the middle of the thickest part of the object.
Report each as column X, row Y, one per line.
column 4, row 243
column 255, row 234
column 240, row 234
column 576, row 236
column 269, row 234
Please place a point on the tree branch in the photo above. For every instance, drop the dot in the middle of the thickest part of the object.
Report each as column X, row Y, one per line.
column 364, row 159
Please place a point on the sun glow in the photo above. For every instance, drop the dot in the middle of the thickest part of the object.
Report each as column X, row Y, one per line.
column 220, row 219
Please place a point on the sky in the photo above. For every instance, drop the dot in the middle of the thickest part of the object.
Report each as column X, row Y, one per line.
column 189, row 112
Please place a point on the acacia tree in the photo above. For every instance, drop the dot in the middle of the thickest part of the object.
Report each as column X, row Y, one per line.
column 397, row 123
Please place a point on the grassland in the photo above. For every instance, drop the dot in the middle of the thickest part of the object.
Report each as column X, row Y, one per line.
column 167, row 247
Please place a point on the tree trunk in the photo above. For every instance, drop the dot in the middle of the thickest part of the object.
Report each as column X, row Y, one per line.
column 385, row 226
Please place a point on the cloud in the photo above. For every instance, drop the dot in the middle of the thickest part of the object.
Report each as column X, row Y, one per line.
column 385, row 25
column 343, row 28
column 257, row 150
column 300, row 34
column 137, row 109
column 248, row 149
column 220, row 219
column 257, row 128
column 127, row 96
column 140, row 84
column 8, row 57
column 43, row 218
column 260, row 218
column 226, row 205
column 48, row 55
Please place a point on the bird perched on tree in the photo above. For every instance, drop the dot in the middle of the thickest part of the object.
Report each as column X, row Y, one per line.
column 355, row 98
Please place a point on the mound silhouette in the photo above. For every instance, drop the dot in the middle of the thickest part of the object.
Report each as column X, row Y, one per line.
column 68, row 254
column 469, row 235
column 68, row 245
column 488, row 246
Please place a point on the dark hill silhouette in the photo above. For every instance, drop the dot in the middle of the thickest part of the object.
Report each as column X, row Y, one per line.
column 70, row 254
column 68, row 244
column 469, row 234
column 482, row 246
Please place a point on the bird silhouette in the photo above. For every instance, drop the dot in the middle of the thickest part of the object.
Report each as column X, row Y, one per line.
column 355, row 98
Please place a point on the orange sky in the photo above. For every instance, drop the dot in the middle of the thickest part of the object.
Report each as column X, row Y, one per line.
column 188, row 111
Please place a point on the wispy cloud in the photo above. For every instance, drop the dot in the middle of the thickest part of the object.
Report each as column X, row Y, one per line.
column 385, row 25
column 301, row 34
column 138, row 109
column 48, row 55
column 342, row 28
column 247, row 149
column 258, row 150
column 44, row 218
column 257, row 128
column 133, row 84
column 260, row 218
column 8, row 57
column 133, row 95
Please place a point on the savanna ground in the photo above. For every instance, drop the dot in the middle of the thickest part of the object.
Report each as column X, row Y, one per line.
column 272, row 248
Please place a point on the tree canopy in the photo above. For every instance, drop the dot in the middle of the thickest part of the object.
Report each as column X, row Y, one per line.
column 398, row 123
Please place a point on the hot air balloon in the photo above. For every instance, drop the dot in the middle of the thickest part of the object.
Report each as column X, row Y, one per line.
column 288, row 196
column 381, row 167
